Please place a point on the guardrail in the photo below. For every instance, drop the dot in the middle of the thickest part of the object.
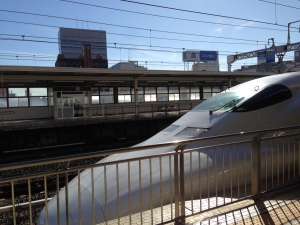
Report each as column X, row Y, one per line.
column 5, row 113
column 144, row 110
column 198, row 175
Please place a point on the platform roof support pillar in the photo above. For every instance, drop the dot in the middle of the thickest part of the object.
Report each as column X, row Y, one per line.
column 136, row 100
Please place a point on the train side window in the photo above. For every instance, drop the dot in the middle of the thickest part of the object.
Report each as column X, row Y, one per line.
column 267, row 97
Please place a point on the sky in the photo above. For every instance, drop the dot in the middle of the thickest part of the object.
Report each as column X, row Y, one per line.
column 153, row 33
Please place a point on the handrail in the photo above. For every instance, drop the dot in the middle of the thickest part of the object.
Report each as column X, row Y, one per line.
column 252, row 170
column 7, row 112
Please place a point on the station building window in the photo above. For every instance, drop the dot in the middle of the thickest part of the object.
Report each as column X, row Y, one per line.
column 195, row 93
column 38, row 97
column 106, row 95
column 216, row 90
column 140, row 94
column 162, row 94
column 95, row 95
column 150, row 94
column 124, row 94
column 173, row 93
column 3, row 98
column 209, row 91
column 18, row 97
column 102, row 95
column 50, row 97
column 184, row 93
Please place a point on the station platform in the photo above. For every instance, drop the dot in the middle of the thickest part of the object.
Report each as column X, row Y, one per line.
column 278, row 207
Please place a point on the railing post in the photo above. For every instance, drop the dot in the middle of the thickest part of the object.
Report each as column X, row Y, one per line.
column 182, row 190
column 166, row 110
column 137, row 111
column 179, row 186
column 176, row 184
column 152, row 109
column 256, row 168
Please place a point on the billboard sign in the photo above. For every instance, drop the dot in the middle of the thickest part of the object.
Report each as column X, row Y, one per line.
column 264, row 57
column 191, row 56
column 270, row 58
column 208, row 56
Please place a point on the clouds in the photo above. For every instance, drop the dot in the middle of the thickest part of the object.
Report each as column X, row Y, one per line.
column 239, row 27
column 218, row 30
column 244, row 25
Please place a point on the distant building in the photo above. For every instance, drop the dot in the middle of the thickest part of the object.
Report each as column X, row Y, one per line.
column 202, row 60
column 131, row 65
column 297, row 56
column 206, row 66
column 286, row 66
column 82, row 48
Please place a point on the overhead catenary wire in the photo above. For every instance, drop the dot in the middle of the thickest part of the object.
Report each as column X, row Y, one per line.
column 58, row 27
column 171, row 17
column 122, row 26
column 140, row 36
column 140, row 47
column 23, row 38
column 283, row 5
column 203, row 13
column 129, row 27
column 109, row 45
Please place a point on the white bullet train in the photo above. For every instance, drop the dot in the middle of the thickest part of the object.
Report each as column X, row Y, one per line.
column 263, row 103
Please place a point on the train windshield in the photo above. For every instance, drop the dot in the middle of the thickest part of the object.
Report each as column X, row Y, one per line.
column 223, row 101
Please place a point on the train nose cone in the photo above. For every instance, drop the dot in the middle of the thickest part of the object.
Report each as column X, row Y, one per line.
column 76, row 212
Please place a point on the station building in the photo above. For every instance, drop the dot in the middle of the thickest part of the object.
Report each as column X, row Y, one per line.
column 61, row 93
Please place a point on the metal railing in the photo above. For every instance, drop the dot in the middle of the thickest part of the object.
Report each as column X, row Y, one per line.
column 106, row 112
column 5, row 113
column 142, row 110
column 161, row 186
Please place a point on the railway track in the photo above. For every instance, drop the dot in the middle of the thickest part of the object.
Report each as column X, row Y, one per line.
column 21, row 155
column 37, row 186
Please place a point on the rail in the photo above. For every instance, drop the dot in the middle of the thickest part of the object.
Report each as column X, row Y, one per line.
column 106, row 112
column 194, row 176
column 142, row 110
column 5, row 113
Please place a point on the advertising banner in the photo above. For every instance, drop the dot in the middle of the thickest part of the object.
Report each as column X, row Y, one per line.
column 208, row 56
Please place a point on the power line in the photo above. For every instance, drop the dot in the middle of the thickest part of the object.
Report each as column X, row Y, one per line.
column 288, row 6
column 203, row 13
column 169, row 17
column 122, row 26
column 127, row 48
column 139, row 36
column 113, row 45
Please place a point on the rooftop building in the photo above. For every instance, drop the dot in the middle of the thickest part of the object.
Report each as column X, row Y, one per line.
column 82, row 48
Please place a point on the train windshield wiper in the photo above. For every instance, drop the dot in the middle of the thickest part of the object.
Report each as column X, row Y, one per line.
column 227, row 106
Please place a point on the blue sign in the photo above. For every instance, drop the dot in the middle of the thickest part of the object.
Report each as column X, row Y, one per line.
column 208, row 55
column 264, row 57
column 270, row 58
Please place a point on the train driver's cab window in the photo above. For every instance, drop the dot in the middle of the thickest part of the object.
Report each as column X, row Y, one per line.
column 267, row 97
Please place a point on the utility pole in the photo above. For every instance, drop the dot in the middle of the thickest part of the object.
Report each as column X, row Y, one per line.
column 289, row 39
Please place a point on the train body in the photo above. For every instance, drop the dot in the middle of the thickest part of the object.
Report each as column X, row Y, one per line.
column 263, row 103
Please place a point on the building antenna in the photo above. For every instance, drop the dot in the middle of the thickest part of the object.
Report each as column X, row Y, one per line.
column 150, row 38
column 275, row 12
